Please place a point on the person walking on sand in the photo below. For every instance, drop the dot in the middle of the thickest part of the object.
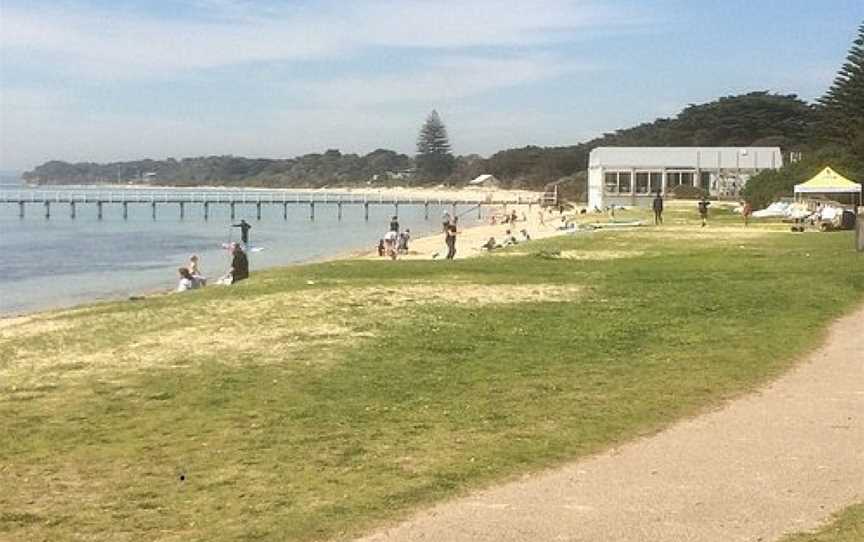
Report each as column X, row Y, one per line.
column 244, row 231
column 703, row 210
column 657, row 205
column 746, row 212
column 451, row 239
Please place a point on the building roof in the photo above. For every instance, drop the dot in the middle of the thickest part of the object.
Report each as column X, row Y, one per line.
column 828, row 181
column 686, row 157
column 484, row 179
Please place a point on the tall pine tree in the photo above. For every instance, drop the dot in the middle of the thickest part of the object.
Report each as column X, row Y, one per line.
column 841, row 118
column 434, row 159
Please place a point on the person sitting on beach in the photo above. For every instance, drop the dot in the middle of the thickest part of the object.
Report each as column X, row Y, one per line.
column 509, row 239
column 390, row 244
column 525, row 236
column 186, row 280
column 195, row 271
column 404, row 237
column 490, row 244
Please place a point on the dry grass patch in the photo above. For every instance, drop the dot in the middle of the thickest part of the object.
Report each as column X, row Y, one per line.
column 600, row 254
column 275, row 328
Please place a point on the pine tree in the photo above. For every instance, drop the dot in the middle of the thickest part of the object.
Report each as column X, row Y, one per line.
column 841, row 118
column 434, row 160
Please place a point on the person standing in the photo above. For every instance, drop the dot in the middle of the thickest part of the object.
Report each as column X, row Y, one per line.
column 746, row 212
column 394, row 224
column 657, row 205
column 244, row 231
column 703, row 210
column 239, row 264
column 445, row 222
column 451, row 239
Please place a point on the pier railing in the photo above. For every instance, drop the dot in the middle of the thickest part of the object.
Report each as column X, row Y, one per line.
column 258, row 198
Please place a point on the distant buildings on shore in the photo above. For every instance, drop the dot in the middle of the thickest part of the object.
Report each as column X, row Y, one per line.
column 634, row 175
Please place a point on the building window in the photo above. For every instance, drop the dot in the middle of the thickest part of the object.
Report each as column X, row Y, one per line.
column 642, row 182
column 705, row 181
column 656, row 181
column 612, row 182
column 687, row 178
column 673, row 179
column 625, row 185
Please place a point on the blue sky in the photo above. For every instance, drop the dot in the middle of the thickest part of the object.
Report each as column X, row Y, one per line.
column 104, row 80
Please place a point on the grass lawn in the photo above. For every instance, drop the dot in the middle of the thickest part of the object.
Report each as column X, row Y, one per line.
column 847, row 526
column 318, row 401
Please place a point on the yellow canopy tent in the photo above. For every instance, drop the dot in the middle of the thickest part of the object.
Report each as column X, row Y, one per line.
column 829, row 181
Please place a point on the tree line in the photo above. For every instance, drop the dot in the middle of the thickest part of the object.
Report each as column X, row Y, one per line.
column 829, row 131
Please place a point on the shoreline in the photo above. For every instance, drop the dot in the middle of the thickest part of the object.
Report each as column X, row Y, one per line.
column 423, row 247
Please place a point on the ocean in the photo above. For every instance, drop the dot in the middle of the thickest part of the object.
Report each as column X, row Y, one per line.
column 62, row 262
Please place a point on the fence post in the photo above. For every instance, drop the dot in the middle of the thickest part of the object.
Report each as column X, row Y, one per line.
column 859, row 231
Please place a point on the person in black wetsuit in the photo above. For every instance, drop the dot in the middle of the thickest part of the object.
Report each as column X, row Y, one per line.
column 244, row 231
column 451, row 240
column 703, row 210
column 657, row 205
column 239, row 264
column 394, row 224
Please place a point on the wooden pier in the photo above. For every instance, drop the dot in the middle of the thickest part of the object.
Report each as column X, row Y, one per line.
column 181, row 200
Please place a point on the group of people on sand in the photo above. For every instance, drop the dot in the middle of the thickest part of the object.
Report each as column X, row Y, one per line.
column 191, row 277
column 506, row 218
column 508, row 240
column 395, row 241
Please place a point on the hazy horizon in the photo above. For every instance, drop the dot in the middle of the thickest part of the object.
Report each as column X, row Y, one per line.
column 105, row 81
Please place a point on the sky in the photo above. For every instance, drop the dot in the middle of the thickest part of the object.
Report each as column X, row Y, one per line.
column 110, row 80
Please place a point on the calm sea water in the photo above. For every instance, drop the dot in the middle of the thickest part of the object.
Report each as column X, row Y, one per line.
column 62, row 262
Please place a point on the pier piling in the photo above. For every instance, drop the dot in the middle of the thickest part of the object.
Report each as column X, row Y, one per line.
column 46, row 199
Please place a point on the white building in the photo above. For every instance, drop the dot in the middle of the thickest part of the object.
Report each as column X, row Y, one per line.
column 633, row 175
column 485, row 181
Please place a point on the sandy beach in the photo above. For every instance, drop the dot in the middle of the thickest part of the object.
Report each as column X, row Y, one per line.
column 539, row 223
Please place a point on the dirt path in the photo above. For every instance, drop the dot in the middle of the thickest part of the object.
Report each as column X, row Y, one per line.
column 776, row 461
